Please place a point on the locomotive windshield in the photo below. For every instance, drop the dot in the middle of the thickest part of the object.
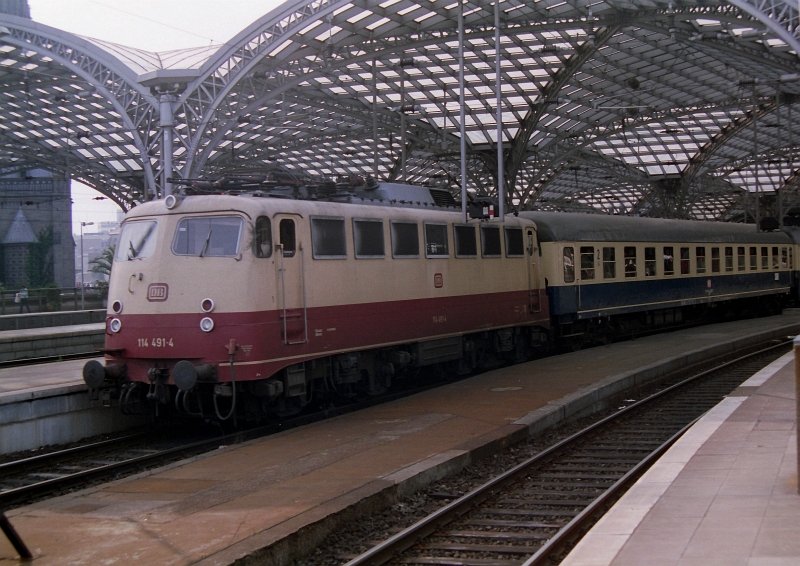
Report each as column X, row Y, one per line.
column 216, row 236
column 137, row 240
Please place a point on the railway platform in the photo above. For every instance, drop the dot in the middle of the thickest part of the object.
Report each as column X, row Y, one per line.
column 284, row 492
column 726, row 493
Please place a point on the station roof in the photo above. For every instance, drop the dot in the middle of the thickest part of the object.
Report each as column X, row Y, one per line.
column 674, row 108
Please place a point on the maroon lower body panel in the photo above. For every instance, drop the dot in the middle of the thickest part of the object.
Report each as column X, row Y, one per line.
column 262, row 343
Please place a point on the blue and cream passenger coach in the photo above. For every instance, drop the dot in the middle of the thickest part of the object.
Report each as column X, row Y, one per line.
column 638, row 273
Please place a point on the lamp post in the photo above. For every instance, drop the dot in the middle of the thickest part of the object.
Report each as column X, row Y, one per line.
column 82, row 262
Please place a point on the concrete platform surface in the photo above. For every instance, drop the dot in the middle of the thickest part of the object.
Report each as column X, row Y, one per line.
column 228, row 504
column 725, row 494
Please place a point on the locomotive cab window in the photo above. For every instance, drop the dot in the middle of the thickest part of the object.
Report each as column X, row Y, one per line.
column 466, row 244
column 490, row 240
column 137, row 240
column 368, row 238
column 328, row 238
column 262, row 237
column 515, row 246
column 208, row 236
column 405, row 239
column 436, row 240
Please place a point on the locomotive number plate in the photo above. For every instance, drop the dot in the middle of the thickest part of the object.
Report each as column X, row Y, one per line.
column 155, row 342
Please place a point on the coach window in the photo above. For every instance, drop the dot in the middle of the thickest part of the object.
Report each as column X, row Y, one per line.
column 262, row 238
column 685, row 264
column 669, row 260
column 569, row 264
column 328, row 238
column 286, row 232
column 587, row 262
column 764, row 258
column 775, row 257
column 715, row 260
column 629, row 257
column 700, row 254
column 741, row 260
column 784, row 258
column 728, row 258
column 436, row 240
column 490, row 241
column 753, row 258
column 649, row 262
column 208, row 236
column 609, row 263
column 515, row 246
column 368, row 238
column 466, row 244
column 405, row 239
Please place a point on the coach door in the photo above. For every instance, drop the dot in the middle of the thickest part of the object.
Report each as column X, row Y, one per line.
column 534, row 283
column 291, row 286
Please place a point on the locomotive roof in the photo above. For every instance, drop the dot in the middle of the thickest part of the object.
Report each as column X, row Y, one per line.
column 565, row 226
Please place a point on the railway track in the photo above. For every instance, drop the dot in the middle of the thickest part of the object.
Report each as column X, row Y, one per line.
column 532, row 513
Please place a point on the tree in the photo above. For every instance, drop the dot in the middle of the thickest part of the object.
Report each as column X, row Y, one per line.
column 102, row 264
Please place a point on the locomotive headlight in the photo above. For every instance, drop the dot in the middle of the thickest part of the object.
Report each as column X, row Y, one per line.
column 116, row 307
column 172, row 201
column 207, row 324
column 115, row 325
column 207, row 305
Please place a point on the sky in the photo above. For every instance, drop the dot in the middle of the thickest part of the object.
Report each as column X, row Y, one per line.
column 154, row 25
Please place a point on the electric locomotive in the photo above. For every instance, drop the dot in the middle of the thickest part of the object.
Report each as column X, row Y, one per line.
column 244, row 305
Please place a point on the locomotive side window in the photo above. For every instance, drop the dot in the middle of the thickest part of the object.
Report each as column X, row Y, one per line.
column 137, row 240
column 287, row 235
column 262, row 239
column 328, row 238
column 753, row 258
column 714, row 260
column 649, row 262
column 436, row 240
column 466, row 244
column 208, row 236
column 685, row 264
column 368, row 238
column 569, row 264
column 609, row 263
column 490, row 240
column 764, row 257
column 405, row 239
column 587, row 262
column 669, row 260
column 515, row 246
column 629, row 257
column 701, row 259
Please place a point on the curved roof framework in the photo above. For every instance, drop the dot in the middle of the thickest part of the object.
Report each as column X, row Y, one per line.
column 659, row 108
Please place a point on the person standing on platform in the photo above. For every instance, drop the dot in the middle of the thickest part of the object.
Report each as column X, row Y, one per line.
column 23, row 299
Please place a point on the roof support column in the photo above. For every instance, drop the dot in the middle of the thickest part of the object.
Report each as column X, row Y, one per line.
column 166, row 122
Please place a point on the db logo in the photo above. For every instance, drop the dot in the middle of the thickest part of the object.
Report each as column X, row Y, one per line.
column 157, row 292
